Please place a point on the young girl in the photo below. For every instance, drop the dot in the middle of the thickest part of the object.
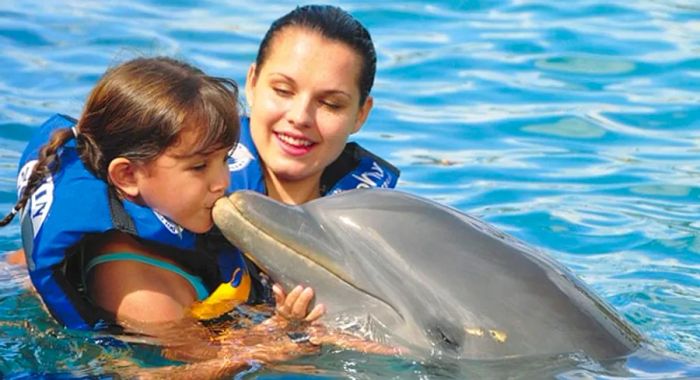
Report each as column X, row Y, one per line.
column 113, row 208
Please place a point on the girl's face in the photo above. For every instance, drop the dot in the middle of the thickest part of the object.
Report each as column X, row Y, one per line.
column 304, row 103
column 184, row 186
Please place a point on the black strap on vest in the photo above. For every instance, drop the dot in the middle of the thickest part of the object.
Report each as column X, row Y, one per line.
column 347, row 162
column 120, row 218
column 261, row 285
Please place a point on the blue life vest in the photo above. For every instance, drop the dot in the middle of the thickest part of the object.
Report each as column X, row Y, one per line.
column 355, row 168
column 72, row 204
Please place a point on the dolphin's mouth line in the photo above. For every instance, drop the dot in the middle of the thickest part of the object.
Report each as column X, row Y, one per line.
column 261, row 232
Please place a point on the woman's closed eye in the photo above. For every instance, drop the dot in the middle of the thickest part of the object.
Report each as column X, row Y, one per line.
column 282, row 91
column 331, row 104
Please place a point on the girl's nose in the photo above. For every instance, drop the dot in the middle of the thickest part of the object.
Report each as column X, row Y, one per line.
column 221, row 179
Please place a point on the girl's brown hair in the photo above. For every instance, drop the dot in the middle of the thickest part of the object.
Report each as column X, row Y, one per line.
column 137, row 110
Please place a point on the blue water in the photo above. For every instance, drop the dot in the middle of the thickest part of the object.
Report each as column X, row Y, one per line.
column 573, row 125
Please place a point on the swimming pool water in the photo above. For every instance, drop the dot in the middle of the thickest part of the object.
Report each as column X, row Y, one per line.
column 574, row 126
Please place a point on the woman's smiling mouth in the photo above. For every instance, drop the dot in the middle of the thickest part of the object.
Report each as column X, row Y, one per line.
column 294, row 146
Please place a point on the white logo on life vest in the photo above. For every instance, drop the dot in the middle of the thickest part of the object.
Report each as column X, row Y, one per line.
column 370, row 178
column 241, row 157
column 42, row 198
column 171, row 226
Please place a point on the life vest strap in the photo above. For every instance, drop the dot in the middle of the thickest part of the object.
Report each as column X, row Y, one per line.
column 121, row 219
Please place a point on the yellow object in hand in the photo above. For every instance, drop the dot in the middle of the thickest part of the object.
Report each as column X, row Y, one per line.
column 226, row 296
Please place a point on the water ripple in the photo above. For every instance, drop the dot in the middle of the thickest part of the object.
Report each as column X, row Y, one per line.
column 574, row 126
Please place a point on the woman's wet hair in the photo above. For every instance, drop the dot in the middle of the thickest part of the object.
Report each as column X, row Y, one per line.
column 139, row 109
column 334, row 24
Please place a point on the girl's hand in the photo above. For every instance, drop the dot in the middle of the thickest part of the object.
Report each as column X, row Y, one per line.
column 293, row 307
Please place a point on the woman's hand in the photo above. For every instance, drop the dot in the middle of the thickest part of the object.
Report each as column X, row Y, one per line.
column 293, row 306
column 319, row 335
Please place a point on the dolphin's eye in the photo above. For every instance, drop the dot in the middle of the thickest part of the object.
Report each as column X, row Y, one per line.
column 446, row 336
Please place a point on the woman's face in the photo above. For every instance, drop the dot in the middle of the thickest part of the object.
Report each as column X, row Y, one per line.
column 304, row 103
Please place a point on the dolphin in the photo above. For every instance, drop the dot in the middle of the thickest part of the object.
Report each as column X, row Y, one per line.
column 401, row 269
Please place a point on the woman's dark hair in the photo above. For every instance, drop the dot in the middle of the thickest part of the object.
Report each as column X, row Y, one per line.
column 334, row 24
column 137, row 110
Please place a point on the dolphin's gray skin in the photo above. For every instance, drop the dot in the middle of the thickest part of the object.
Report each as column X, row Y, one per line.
column 413, row 272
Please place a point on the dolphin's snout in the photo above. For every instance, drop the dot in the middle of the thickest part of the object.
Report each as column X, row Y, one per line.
column 221, row 202
column 223, row 213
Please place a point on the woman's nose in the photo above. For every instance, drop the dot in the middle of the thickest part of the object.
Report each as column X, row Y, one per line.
column 300, row 113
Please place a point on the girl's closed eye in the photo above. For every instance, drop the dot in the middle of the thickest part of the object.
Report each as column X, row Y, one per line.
column 212, row 160
column 198, row 167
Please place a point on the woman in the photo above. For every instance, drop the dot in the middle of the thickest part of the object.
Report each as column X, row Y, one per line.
column 308, row 91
